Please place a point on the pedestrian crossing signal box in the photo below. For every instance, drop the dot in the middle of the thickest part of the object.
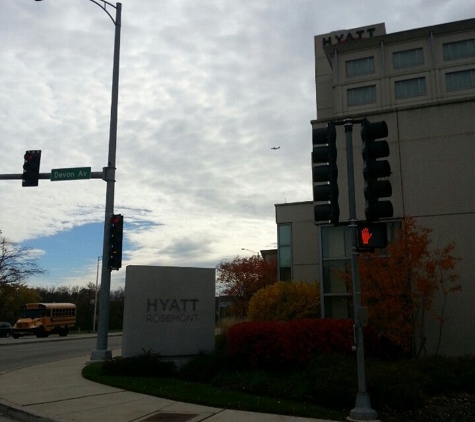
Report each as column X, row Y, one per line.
column 372, row 236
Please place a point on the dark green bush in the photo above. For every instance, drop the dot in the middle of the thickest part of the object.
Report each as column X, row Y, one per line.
column 204, row 367
column 448, row 374
column 333, row 380
column 397, row 385
column 146, row 364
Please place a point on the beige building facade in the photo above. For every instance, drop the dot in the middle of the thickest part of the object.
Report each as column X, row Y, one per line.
column 421, row 82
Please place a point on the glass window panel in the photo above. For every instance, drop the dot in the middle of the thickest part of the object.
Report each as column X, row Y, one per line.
column 361, row 96
column 408, row 58
column 333, row 276
column 410, row 88
column 464, row 79
column 360, row 67
column 459, row 50
column 338, row 307
column 336, row 242
column 284, row 234
column 285, row 274
column 285, row 259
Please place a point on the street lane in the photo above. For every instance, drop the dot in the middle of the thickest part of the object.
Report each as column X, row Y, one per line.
column 26, row 351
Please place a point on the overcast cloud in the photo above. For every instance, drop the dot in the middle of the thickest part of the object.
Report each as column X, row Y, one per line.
column 206, row 89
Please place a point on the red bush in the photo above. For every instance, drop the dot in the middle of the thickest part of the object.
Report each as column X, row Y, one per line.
column 271, row 343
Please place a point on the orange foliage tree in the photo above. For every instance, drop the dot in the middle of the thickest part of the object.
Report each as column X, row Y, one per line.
column 242, row 277
column 400, row 286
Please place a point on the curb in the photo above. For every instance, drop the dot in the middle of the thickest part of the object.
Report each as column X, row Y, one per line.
column 33, row 339
column 19, row 414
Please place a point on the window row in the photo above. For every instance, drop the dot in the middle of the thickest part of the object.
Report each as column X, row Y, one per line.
column 414, row 87
column 63, row 312
column 413, row 57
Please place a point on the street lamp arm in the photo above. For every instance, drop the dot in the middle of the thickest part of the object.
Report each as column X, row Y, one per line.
column 103, row 6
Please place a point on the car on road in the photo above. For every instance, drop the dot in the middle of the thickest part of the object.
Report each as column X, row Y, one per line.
column 5, row 329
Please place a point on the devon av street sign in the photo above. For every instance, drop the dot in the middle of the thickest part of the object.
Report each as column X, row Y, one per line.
column 71, row 173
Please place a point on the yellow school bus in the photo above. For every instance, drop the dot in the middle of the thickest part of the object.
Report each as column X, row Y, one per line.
column 43, row 319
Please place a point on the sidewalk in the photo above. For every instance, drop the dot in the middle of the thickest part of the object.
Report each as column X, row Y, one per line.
column 57, row 392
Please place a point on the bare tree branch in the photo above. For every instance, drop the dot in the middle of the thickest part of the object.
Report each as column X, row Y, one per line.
column 17, row 263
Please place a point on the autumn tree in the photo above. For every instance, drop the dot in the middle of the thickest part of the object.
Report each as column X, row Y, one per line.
column 242, row 277
column 12, row 296
column 400, row 286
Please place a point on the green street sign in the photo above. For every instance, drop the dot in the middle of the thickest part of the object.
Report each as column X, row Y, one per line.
column 71, row 174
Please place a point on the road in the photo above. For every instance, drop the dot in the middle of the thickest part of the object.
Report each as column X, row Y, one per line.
column 27, row 351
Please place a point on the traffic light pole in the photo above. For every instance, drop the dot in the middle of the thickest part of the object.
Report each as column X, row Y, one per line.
column 101, row 353
column 362, row 410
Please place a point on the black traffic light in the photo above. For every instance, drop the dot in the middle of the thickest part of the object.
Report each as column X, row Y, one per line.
column 371, row 236
column 325, row 175
column 375, row 169
column 31, row 168
column 116, row 235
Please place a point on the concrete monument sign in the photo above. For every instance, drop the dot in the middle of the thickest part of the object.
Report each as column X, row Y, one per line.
column 168, row 310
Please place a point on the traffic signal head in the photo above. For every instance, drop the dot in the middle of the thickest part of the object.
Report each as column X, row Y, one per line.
column 31, row 168
column 325, row 175
column 374, row 169
column 116, row 234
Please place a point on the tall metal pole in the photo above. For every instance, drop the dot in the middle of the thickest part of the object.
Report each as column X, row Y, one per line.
column 101, row 353
column 95, row 296
column 362, row 410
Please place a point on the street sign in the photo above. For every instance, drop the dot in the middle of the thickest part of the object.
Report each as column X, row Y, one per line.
column 71, row 173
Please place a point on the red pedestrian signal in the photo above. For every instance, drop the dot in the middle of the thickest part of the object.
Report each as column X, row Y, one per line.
column 372, row 236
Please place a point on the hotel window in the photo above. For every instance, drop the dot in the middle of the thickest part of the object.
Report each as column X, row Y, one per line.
column 361, row 96
column 360, row 67
column 284, row 239
column 336, row 263
column 459, row 50
column 464, row 79
column 408, row 58
column 409, row 88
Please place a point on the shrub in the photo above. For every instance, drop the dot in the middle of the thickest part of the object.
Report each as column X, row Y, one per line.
column 333, row 380
column 225, row 323
column 147, row 364
column 284, row 301
column 448, row 374
column 271, row 343
column 396, row 385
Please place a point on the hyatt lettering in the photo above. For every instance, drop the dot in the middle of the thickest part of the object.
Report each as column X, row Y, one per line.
column 179, row 305
column 172, row 310
column 349, row 36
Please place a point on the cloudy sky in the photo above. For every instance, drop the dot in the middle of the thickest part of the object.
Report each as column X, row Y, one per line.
column 207, row 88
